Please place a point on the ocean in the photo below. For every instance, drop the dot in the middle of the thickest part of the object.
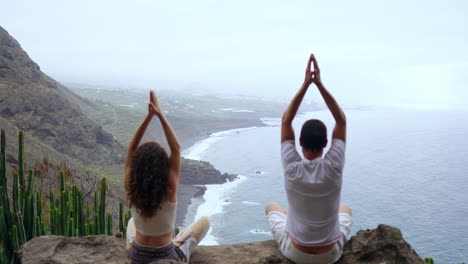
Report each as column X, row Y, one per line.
column 404, row 167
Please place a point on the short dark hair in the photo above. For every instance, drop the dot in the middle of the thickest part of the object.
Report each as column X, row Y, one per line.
column 313, row 135
column 149, row 179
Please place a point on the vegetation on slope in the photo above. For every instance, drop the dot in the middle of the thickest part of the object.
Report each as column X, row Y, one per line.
column 26, row 213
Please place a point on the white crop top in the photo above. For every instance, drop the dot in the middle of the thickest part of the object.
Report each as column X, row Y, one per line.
column 161, row 223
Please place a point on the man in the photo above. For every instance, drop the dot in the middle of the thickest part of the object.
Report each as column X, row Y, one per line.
column 316, row 226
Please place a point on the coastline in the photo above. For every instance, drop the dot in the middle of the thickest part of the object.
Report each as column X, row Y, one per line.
column 190, row 135
column 197, row 200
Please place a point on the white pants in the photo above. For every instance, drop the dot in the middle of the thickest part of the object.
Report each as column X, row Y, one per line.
column 277, row 222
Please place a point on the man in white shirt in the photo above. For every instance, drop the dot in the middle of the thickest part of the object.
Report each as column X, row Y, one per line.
column 316, row 227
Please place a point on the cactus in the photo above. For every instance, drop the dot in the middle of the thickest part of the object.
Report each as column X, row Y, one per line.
column 21, row 168
column 29, row 216
column 4, row 235
column 14, row 235
column 17, row 213
column 75, row 212
column 66, row 213
column 37, row 228
column 102, row 206
column 121, row 220
column 52, row 223
column 3, row 159
column 70, row 227
column 16, row 193
column 96, row 214
column 21, row 160
column 30, row 189
column 81, row 215
column 4, row 200
column 109, row 225
column 88, row 225
column 3, row 254
column 39, row 224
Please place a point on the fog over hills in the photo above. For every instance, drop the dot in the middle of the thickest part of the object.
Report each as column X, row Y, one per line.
column 405, row 53
column 35, row 103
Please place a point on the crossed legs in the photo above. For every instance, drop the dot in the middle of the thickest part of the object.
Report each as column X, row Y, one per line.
column 273, row 206
column 196, row 230
column 186, row 240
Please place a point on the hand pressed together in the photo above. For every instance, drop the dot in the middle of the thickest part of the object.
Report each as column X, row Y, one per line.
column 312, row 75
column 153, row 105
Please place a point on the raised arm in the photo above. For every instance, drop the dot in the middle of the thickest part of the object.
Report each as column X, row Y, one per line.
column 287, row 131
column 132, row 147
column 174, row 157
column 339, row 131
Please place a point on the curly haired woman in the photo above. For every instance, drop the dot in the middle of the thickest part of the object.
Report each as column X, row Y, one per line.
column 151, row 181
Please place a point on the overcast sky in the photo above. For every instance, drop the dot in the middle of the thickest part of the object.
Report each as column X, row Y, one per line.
column 370, row 52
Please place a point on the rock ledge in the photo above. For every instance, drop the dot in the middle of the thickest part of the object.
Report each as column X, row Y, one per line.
column 385, row 244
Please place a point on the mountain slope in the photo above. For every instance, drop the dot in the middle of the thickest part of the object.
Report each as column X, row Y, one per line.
column 35, row 103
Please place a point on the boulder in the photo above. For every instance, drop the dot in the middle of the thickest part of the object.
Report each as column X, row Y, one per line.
column 383, row 245
column 64, row 250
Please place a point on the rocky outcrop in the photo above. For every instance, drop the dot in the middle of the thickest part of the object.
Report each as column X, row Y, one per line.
column 385, row 244
column 58, row 249
column 202, row 172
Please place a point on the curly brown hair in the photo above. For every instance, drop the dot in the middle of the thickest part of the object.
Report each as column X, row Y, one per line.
column 148, row 183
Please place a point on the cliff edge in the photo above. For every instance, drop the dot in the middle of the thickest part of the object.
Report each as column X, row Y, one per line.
column 385, row 244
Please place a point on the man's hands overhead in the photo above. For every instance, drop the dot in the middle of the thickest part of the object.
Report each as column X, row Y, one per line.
column 312, row 75
column 153, row 106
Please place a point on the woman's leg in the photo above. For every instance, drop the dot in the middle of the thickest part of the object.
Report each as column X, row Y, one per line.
column 190, row 237
column 273, row 206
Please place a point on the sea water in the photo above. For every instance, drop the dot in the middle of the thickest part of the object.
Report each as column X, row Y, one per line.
column 404, row 167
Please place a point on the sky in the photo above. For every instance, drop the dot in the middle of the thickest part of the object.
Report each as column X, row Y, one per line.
column 411, row 53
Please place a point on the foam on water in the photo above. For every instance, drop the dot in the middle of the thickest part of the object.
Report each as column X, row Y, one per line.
column 260, row 232
column 216, row 198
column 271, row 121
column 251, row 203
column 196, row 151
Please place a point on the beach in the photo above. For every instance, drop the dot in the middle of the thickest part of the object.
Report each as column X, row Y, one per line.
column 195, row 201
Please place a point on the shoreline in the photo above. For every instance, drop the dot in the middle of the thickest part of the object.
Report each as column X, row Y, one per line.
column 189, row 210
column 207, row 128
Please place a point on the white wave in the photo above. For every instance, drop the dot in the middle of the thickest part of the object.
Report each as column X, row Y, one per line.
column 217, row 196
column 198, row 149
column 271, row 121
column 259, row 232
column 251, row 203
column 233, row 110
column 243, row 111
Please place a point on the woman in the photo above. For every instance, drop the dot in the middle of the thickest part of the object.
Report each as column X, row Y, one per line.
column 151, row 181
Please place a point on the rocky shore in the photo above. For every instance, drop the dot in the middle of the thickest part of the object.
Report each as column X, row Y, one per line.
column 194, row 175
column 384, row 244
